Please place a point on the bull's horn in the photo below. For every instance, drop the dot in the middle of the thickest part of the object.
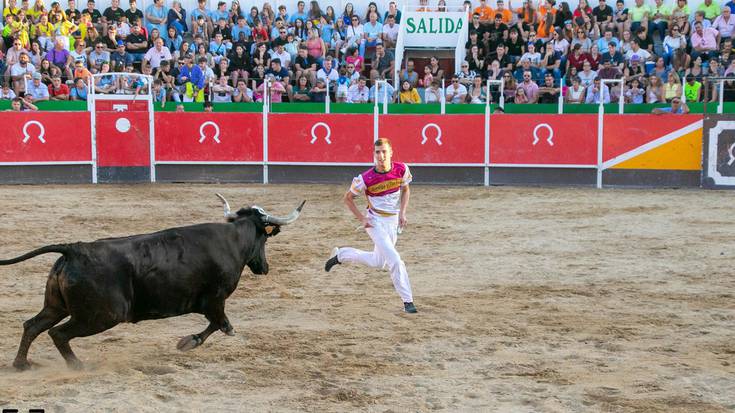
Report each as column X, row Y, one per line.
column 269, row 219
column 228, row 214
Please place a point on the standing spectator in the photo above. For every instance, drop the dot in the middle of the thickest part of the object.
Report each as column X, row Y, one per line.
column 456, row 92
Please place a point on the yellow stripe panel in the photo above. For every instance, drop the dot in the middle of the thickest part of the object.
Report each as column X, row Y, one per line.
column 681, row 154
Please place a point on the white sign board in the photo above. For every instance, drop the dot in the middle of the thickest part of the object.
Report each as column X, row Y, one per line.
column 433, row 29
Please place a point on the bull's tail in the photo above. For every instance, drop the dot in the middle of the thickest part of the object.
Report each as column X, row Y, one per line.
column 58, row 248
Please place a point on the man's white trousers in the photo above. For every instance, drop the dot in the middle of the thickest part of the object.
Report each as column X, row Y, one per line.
column 384, row 234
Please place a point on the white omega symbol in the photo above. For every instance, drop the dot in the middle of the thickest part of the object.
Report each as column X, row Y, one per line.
column 203, row 136
column 27, row 137
column 551, row 134
column 732, row 156
column 326, row 138
column 438, row 138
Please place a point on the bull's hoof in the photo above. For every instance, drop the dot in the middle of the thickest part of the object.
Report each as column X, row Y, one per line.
column 22, row 365
column 75, row 364
column 189, row 342
column 228, row 330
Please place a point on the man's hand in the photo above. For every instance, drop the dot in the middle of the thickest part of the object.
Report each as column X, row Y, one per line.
column 402, row 221
column 366, row 222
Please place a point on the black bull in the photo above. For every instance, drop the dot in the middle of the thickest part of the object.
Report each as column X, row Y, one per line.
column 177, row 271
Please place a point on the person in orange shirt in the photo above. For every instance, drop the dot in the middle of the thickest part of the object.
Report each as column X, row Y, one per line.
column 506, row 13
column 80, row 72
column 486, row 12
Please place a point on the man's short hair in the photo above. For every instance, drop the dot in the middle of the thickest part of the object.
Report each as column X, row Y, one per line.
column 383, row 141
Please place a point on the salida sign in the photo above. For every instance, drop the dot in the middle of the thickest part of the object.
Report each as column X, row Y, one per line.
column 428, row 29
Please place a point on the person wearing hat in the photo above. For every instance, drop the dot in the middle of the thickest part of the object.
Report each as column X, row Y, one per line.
column 36, row 89
column 677, row 107
column 119, row 57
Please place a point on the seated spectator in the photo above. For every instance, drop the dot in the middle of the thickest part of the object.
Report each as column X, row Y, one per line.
column 382, row 92
column 408, row 94
column 58, row 90
column 328, row 73
column 477, row 93
column 242, row 93
column 119, row 58
column 433, row 93
column 634, row 94
column 655, row 90
column 21, row 73
column 548, row 93
column 597, row 92
column 529, row 87
column 358, row 92
column 382, row 63
column 526, row 67
column 300, row 92
column 61, row 58
column 704, row 42
column 36, row 91
column 576, row 93
column 277, row 90
column 159, row 93
column 136, row 44
column 98, row 56
column 456, row 92
column 677, row 107
column 412, row 77
column 6, row 93
column 692, row 89
column 221, row 91
column 319, row 92
column 520, row 96
column 22, row 105
column 672, row 88
column 390, row 32
column 587, row 75
column 79, row 91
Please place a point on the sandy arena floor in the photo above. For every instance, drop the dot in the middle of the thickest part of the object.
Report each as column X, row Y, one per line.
column 530, row 300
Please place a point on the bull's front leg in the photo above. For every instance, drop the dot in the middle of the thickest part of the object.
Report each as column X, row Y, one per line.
column 217, row 321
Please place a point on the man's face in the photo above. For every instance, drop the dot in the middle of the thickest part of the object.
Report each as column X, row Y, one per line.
column 327, row 65
column 379, row 50
column 115, row 4
column 699, row 29
column 527, row 77
column 383, row 155
column 549, row 80
column 23, row 59
column 301, row 6
column 362, row 83
column 675, row 104
column 16, row 105
column 409, row 66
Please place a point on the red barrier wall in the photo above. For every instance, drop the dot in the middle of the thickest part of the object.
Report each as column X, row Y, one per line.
column 442, row 139
column 209, row 137
column 320, row 138
column 543, row 139
column 48, row 137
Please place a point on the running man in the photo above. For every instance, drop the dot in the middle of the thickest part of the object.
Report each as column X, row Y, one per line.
column 386, row 188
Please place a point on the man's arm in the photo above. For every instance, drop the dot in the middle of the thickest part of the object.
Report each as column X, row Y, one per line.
column 405, row 195
column 349, row 200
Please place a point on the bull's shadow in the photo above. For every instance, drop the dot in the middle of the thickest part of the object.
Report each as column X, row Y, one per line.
column 176, row 271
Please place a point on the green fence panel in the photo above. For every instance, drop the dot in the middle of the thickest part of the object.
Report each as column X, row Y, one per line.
column 301, row 107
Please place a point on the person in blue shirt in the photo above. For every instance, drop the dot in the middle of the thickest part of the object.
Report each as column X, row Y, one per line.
column 191, row 76
column 677, row 107
column 241, row 27
column 220, row 12
column 300, row 14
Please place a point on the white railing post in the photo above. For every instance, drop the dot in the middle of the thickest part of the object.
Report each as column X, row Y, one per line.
column 720, row 105
column 443, row 100
column 327, row 100
column 266, row 111
column 560, row 109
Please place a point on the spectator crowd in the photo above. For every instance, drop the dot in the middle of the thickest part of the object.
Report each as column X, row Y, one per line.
column 541, row 50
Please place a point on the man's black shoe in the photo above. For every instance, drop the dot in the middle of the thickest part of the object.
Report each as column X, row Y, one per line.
column 410, row 308
column 332, row 261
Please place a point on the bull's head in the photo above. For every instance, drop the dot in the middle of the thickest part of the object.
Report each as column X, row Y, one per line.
column 266, row 225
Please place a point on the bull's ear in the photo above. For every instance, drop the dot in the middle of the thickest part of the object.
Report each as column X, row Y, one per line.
column 272, row 230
